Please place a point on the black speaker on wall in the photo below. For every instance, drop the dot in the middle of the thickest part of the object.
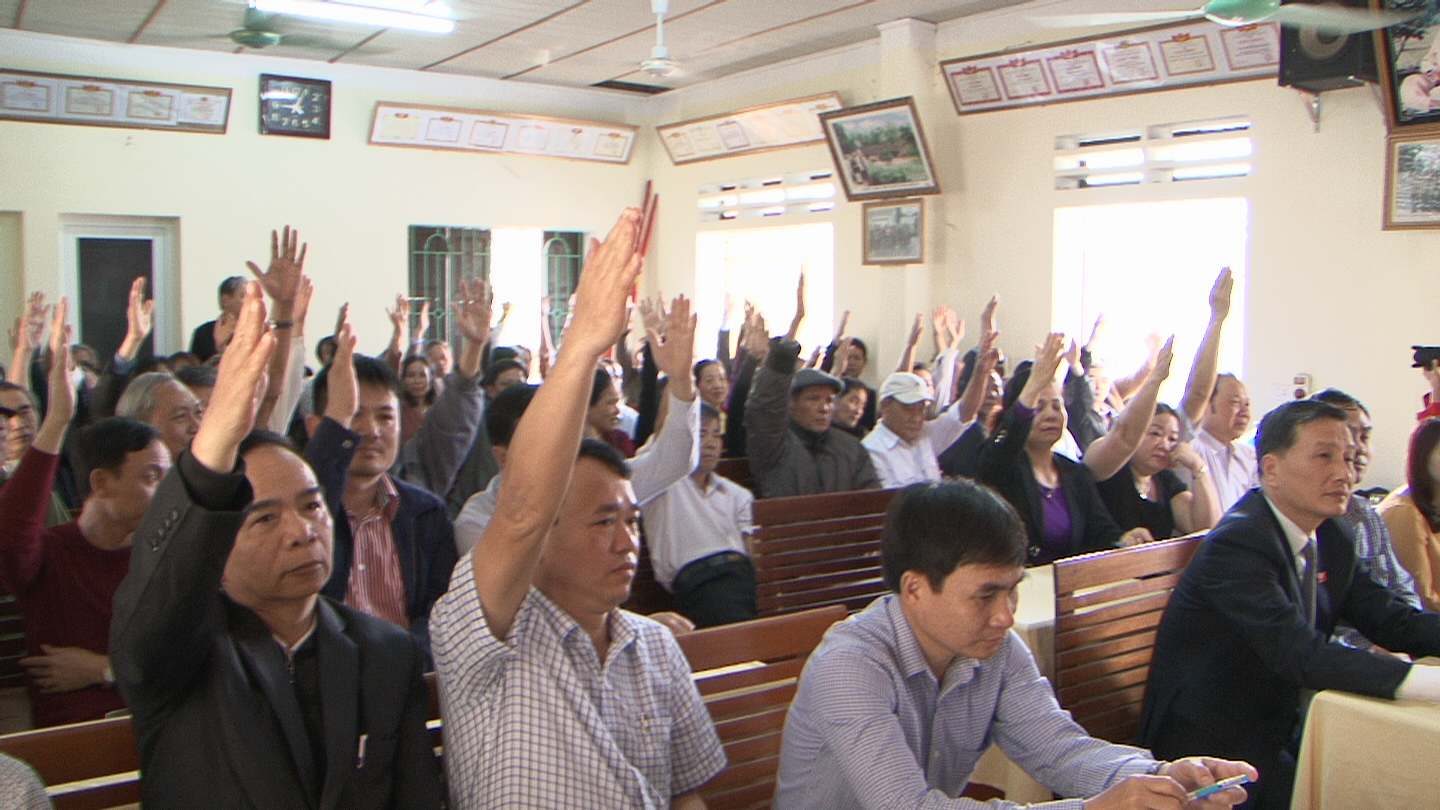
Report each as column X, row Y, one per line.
column 1317, row 61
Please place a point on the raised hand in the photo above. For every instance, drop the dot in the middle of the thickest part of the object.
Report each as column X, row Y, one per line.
column 61, row 409
column 917, row 330
column 302, row 304
column 1163, row 358
column 1042, row 374
column 139, row 320
column 343, row 388
column 281, row 280
column 239, row 386
column 987, row 315
column 651, row 314
column 32, row 328
column 1096, row 332
column 598, row 317
column 799, row 308
column 473, row 311
column 1220, row 295
column 673, row 347
column 422, row 326
column 399, row 315
column 757, row 339
column 342, row 317
column 844, row 321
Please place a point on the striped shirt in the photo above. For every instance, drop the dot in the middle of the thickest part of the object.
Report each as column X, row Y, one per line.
column 871, row 726
column 538, row 720
column 1376, row 554
column 377, row 586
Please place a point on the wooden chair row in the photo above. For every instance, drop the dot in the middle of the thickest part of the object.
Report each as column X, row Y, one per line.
column 1107, row 610
column 746, row 672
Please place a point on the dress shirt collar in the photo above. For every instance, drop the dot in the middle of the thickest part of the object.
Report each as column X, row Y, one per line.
column 887, row 438
column 622, row 632
column 1294, row 535
column 1203, row 436
column 387, row 501
column 911, row 658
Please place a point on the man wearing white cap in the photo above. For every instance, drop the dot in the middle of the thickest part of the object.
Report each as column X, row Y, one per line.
column 903, row 444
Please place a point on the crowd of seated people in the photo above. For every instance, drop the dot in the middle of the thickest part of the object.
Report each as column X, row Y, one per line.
column 252, row 556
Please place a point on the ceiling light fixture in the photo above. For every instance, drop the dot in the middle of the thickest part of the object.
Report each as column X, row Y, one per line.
column 431, row 17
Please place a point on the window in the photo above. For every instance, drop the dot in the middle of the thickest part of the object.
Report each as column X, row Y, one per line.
column 776, row 195
column 1163, row 153
column 762, row 265
column 1149, row 268
column 522, row 266
column 440, row 258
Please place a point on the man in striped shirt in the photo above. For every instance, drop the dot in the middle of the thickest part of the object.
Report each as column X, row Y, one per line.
column 897, row 704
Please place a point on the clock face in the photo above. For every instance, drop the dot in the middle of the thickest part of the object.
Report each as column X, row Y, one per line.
column 292, row 106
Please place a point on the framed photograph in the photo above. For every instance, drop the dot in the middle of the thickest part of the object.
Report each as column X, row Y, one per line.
column 894, row 232
column 1412, row 181
column 879, row 150
column 1408, row 56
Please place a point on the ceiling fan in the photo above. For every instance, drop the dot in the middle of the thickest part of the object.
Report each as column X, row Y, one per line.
column 660, row 65
column 1334, row 19
column 262, row 29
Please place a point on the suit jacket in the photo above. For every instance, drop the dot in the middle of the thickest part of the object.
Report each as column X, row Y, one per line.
column 1234, row 649
column 424, row 536
column 1005, row 465
column 216, row 716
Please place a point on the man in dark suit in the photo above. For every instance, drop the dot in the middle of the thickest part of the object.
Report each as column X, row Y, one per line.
column 202, row 341
column 248, row 689
column 1245, row 638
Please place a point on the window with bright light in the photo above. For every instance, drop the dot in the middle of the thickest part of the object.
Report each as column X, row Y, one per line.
column 513, row 261
column 772, row 196
column 1149, row 268
column 762, row 266
column 1163, row 153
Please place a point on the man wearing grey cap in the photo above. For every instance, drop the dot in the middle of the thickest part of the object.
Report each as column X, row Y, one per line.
column 904, row 446
column 792, row 447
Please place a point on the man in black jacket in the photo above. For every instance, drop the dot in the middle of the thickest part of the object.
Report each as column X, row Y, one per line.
column 248, row 689
column 1246, row 636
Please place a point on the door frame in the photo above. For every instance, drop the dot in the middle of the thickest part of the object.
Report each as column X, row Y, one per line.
column 164, row 236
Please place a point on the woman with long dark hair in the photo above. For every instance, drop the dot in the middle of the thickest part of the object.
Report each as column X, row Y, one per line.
column 1413, row 513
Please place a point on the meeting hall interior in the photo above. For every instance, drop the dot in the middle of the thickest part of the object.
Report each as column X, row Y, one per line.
column 1066, row 200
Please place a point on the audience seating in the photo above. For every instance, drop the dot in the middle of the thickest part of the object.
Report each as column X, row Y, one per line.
column 737, row 470
column 12, row 642
column 93, row 765
column 818, row 550
column 1107, row 609
column 748, row 673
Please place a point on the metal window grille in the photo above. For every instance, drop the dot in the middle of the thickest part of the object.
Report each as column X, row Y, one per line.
column 564, row 257
column 440, row 258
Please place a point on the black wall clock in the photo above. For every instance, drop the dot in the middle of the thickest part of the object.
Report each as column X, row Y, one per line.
column 294, row 106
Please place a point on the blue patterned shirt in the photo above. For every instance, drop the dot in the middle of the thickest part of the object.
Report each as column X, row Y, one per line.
column 538, row 720
column 1376, row 554
column 872, row 728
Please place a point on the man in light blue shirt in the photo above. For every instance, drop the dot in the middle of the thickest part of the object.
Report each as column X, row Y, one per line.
column 899, row 702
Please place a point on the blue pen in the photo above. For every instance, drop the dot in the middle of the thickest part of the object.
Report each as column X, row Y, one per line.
column 1211, row 790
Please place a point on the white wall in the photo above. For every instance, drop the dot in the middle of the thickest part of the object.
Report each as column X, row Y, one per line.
column 352, row 202
column 1330, row 293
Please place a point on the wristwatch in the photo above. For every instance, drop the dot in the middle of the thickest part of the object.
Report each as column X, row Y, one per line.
column 107, row 677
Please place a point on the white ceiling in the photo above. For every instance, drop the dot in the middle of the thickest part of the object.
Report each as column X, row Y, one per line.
column 574, row 43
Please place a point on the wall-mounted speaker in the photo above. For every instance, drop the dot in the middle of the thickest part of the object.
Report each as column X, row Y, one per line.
column 1317, row 61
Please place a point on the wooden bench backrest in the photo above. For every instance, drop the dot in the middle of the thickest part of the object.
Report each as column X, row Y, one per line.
column 817, row 550
column 93, row 765
column 12, row 642
column 1107, row 609
column 748, row 673
column 737, row 470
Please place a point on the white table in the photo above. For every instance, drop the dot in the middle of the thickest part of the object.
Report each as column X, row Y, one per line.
column 1035, row 624
column 1360, row 752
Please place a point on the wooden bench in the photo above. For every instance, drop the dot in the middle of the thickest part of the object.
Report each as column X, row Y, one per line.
column 748, row 673
column 1107, row 609
column 737, row 470
column 819, row 550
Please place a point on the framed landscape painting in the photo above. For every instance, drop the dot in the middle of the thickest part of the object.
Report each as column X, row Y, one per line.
column 1412, row 182
column 895, row 232
column 879, row 150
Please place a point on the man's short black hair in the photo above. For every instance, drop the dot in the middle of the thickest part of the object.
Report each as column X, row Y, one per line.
column 103, row 445
column 708, row 411
column 1339, row 398
column 602, row 380
column 605, row 454
column 197, row 376
column 498, row 367
column 937, row 527
column 6, row 385
column 860, row 344
column 504, row 412
column 328, row 340
column 1280, row 428
column 267, row 438
column 368, row 370
column 232, row 285
column 1220, row 380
